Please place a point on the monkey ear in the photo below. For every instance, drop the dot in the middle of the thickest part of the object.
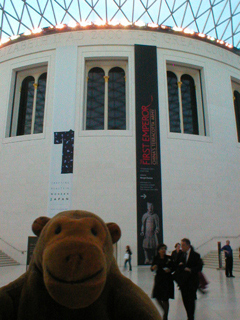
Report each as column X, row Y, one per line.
column 115, row 231
column 38, row 225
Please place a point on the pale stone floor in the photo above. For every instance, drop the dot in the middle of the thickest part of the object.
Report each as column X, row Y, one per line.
column 221, row 302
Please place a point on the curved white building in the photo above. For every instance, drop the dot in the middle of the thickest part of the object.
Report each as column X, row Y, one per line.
column 110, row 118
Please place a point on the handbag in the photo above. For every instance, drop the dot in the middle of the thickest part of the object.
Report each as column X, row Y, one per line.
column 202, row 280
column 126, row 256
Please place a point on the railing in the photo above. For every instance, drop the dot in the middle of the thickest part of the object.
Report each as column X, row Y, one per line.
column 22, row 251
column 207, row 245
column 217, row 237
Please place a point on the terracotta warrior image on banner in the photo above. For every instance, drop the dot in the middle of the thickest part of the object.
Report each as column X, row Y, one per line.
column 149, row 232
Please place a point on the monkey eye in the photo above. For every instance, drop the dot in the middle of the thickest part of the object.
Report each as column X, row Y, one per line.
column 94, row 231
column 58, row 229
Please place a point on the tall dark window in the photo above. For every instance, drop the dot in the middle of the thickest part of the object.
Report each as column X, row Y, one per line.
column 26, row 106
column 106, row 97
column 189, row 105
column 95, row 99
column 236, row 95
column 185, row 100
column 173, row 102
column 41, row 92
column 116, row 99
column 29, row 102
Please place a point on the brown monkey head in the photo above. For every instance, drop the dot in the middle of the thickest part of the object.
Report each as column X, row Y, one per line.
column 74, row 253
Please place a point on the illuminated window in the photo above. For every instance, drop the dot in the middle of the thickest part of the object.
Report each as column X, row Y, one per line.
column 185, row 100
column 106, row 95
column 29, row 102
column 236, row 99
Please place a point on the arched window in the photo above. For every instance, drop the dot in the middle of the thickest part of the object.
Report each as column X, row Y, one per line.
column 41, row 92
column 26, row 106
column 95, row 99
column 29, row 102
column 106, row 95
column 236, row 95
column 189, row 105
column 173, row 102
column 116, row 99
column 185, row 100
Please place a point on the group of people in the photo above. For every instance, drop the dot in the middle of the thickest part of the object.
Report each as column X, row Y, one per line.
column 183, row 266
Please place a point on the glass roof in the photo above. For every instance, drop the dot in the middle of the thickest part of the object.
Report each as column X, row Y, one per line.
column 217, row 18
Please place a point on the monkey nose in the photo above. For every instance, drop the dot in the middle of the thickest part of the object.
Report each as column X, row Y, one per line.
column 74, row 259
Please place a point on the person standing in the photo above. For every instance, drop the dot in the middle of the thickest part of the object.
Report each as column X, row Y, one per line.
column 188, row 265
column 163, row 289
column 177, row 252
column 228, row 259
column 128, row 257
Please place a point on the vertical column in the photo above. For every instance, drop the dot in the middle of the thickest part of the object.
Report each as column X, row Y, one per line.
column 62, row 154
column 149, row 193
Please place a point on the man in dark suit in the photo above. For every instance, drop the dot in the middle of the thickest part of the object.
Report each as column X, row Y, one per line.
column 188, row 265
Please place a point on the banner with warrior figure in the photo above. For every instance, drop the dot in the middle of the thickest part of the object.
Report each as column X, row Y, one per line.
column 149, row 192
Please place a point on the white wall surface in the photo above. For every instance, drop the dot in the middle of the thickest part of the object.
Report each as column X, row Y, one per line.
column 200, row 174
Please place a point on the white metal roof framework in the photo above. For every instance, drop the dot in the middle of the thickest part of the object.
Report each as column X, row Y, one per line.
column 218, row 18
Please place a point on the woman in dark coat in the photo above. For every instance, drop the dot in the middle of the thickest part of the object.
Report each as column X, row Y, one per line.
column 177, row 252
column 163, row 289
